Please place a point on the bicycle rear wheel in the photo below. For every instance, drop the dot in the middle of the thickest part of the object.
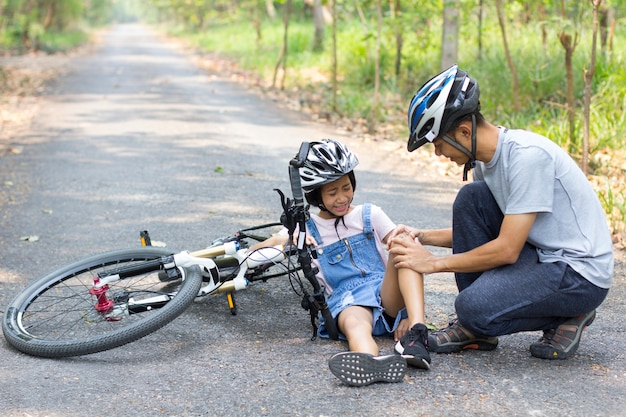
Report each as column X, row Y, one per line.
column 55, row 316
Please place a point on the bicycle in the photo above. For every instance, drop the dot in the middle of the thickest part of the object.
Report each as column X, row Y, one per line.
column 111, row 299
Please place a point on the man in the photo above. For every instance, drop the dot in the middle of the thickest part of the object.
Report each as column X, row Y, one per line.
column 531, row 249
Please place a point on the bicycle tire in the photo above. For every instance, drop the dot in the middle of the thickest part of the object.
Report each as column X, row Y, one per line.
column 54, row 317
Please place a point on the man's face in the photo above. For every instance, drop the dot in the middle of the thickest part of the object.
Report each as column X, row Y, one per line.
column 453, row 154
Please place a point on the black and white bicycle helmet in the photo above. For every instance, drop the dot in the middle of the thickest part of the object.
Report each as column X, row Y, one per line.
column 327, row 161
column 439, row 103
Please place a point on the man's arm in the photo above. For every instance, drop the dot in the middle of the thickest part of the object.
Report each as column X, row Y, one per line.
column 503, row 250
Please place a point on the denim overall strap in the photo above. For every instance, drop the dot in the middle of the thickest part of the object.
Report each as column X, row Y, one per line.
column 367, row 221
column 310, row 224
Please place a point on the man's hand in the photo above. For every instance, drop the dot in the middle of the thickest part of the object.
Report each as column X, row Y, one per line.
column 400, row 229
column 409, row 253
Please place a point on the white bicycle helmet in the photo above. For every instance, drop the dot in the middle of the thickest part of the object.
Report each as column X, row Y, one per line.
column 439, row 103
column 327, row 161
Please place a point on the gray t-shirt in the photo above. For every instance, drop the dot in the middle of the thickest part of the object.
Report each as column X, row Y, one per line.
column 531, row 174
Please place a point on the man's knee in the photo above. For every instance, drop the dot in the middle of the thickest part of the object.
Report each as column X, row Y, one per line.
column 471, row 194
column 472, row 314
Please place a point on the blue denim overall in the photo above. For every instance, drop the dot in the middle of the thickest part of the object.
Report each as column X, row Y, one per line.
column 354, row 270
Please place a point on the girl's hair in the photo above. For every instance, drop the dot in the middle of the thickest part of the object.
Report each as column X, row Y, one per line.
column 314, row 197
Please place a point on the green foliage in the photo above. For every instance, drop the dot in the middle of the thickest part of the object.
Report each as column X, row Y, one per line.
column 243, row 31
column 53, row 25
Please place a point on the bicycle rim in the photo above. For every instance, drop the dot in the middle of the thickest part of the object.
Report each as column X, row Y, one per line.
column 55, row 316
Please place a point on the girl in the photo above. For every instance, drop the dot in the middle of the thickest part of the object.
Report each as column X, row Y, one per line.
column 366, row 294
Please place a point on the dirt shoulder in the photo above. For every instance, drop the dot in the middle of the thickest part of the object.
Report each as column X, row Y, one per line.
column 23, row 80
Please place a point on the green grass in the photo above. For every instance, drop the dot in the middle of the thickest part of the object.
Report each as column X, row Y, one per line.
column 540, row 71
column 541, row 75
column 50, row 42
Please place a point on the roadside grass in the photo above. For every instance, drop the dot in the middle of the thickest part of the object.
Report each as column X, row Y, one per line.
column 46, row 41
column 540, row 67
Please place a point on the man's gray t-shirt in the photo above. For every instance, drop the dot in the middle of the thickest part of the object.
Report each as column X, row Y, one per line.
column 531, row 174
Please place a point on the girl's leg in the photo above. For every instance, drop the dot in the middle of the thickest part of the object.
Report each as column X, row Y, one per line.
column 356, row 323
column 403, row 288
column 362, row 365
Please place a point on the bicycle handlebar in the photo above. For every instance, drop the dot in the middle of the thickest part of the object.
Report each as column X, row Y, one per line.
column 299, row 216
column 294, row 174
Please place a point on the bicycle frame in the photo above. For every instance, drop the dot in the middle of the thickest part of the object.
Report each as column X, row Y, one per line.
column 216, row 280
column 92, row 304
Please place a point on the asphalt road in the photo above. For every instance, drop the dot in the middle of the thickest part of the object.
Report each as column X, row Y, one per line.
column 135, row 137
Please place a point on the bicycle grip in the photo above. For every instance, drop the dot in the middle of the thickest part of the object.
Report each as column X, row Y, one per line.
column 294, row 175
column 296, row 186
column 298, row 161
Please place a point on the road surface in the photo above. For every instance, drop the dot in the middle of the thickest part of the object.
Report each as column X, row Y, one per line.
column 136, row 137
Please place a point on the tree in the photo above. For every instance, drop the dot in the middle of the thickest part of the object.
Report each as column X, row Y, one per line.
column 395, row 8
column 588, row 83
column 281, row 62
column 569, row 45
column 507, row 53
column 318, row 25
column 373, row 120
column 334, row 57
column 480, row 29
column 450, row 37
column 271, row 10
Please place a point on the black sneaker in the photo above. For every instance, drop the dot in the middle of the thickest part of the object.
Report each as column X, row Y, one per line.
column 456, row 338
column 358, row 369
column 562, row 342
column 412, row 347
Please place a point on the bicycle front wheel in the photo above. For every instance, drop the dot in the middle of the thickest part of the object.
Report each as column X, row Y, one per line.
column 56, row 317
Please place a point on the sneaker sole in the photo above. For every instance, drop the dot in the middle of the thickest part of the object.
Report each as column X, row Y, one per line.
column 546, row 351
column 411, row 360
column 359, row 369
column 416, row 362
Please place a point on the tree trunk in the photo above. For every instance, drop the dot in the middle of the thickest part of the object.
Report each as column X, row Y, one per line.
column 480, row 29
column 271, row 10
column 450, row 41
column 373, row 120
column 604, row 29
column 359, row 10
column 569, row 46
column 282, row 56
column 395, row 7
column 334, row 57
column 509, row 60
column 49, row 15
column 255, row 16
column 588, row 84
column 318, row 23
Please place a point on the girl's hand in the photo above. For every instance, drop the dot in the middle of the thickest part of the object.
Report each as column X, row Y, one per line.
column 402, row 328
column 310, row 241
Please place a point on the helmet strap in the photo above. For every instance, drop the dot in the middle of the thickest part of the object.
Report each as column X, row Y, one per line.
column 471, row 162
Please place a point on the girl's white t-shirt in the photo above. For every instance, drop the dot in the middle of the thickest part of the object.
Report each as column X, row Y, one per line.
column 351, row 224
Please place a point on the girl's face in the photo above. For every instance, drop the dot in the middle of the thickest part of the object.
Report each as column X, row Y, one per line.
column 337, row 196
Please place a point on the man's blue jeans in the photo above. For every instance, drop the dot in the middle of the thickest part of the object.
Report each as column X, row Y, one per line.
column 526, row 295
